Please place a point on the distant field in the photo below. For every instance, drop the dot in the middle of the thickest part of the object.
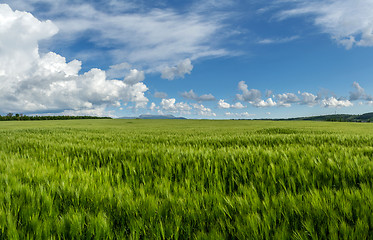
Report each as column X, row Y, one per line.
column 186, row 179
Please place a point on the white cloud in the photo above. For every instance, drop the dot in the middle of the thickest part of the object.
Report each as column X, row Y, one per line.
column 193, row 96
column 203, row 111
column 171, row 106
column 152, row 106
column 118, row 70
column 237, row 105
column 168, row 104
column 33, row 83
column 99, row 111
column 333, row 102
column 225, row 105
column 278, row 40
column 135, row 76
column 349, row 22
column 267, row 103
column 252, row 95
column 308, row 99
column 211, row 5
column 359, row 93
column 178, row 71
column 141, row 34
column 239, row 115
column 286, row 99
column 20, row 33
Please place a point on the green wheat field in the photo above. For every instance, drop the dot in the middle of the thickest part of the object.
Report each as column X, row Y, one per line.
column 186, row 179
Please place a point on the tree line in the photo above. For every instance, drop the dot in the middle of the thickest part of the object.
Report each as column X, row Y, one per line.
column 22, row 117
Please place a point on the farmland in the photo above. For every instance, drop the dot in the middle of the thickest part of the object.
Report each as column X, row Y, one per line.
column 185, row 179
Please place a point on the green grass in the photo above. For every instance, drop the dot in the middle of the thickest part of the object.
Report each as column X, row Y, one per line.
column 185, row 179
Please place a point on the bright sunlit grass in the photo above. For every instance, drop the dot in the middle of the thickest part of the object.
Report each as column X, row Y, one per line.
column 185, row 179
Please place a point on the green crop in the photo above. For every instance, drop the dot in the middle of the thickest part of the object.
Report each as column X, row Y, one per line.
column 185, row 179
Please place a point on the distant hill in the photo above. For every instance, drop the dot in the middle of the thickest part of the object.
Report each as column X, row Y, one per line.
column 366, row 117
column 147, row 116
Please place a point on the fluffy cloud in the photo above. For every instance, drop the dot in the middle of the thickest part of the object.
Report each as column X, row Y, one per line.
column 20, row 33
column 134, row 77
column 170, row 105
column 99, row 111
column 203, row 111
column 237, row 105
column 193, row 96
column 30, row 82
column 184, row 67
column 286, row 99
column 239, row 115
column 267, row 103
column 118, row 70
column 225, row 105
column 152, row 106
column 308, row 99
column 335, row 103
column 349, row 22
column 252, row 95
column 150, row 36
column 359, row 93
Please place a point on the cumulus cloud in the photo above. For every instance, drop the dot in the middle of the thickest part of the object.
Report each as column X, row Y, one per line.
column 349, row 22
column 308, row 99
column 225, row 105
column 178, row 71
column 252, row 95
column 118, row 70
column 359, row 93
column 286, row 99
column 335, row 103
column 170, row 105
column 237, row 105
column 148, row 35
column 193, row 96
column 135, row 76
column 99, row 111
column 153, row 106
column 239, row 115
column 203, row 111
column 31, row 82
column 267, row 103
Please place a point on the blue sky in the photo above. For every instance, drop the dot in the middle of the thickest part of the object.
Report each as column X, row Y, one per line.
column 197, row 59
